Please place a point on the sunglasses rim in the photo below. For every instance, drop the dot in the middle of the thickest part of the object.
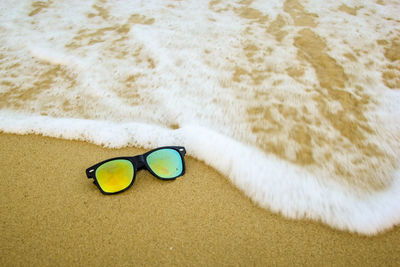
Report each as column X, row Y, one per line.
column 138, row 160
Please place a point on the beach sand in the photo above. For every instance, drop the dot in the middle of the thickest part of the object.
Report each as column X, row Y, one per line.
column 51, row 214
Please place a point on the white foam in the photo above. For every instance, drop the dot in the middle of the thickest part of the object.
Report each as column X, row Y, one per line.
column 177, row 72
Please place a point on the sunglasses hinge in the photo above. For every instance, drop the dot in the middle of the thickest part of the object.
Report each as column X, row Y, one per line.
column 90, row 173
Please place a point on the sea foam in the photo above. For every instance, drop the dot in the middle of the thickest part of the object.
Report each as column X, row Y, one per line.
column 248, row 87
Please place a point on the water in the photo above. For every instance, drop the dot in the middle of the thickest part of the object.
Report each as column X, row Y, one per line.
column 297, row 103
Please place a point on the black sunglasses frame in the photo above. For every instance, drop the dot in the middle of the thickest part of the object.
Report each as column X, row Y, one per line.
column 139, row 162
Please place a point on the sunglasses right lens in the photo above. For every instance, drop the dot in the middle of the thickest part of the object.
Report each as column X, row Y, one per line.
column 115, row 175
column 166, row 163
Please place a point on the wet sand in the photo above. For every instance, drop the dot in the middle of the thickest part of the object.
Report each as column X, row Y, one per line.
column 51, row 214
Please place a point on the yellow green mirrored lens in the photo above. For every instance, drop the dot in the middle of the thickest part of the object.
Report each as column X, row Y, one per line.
column 115, row 175
column 166, row 163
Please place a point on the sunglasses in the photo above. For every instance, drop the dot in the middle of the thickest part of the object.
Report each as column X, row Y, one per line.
column 118, row 174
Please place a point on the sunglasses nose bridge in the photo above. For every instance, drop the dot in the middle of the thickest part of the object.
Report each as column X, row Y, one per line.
column 139, row 162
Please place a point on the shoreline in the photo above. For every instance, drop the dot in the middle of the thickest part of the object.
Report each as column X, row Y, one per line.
column 51, row 213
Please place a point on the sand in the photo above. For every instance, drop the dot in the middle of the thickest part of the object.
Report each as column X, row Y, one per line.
column 51, row 214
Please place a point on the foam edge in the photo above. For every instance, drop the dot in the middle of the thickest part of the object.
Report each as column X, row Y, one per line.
column 271, row 183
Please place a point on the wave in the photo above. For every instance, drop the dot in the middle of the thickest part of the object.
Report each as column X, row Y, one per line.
column 296, row 102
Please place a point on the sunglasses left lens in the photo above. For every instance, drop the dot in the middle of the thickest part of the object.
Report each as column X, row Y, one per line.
column 115, row 175
column 166, row 163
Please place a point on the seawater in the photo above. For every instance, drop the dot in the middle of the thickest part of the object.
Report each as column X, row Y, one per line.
column 296, row 102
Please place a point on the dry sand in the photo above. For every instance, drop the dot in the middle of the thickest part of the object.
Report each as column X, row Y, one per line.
column 51, row 214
